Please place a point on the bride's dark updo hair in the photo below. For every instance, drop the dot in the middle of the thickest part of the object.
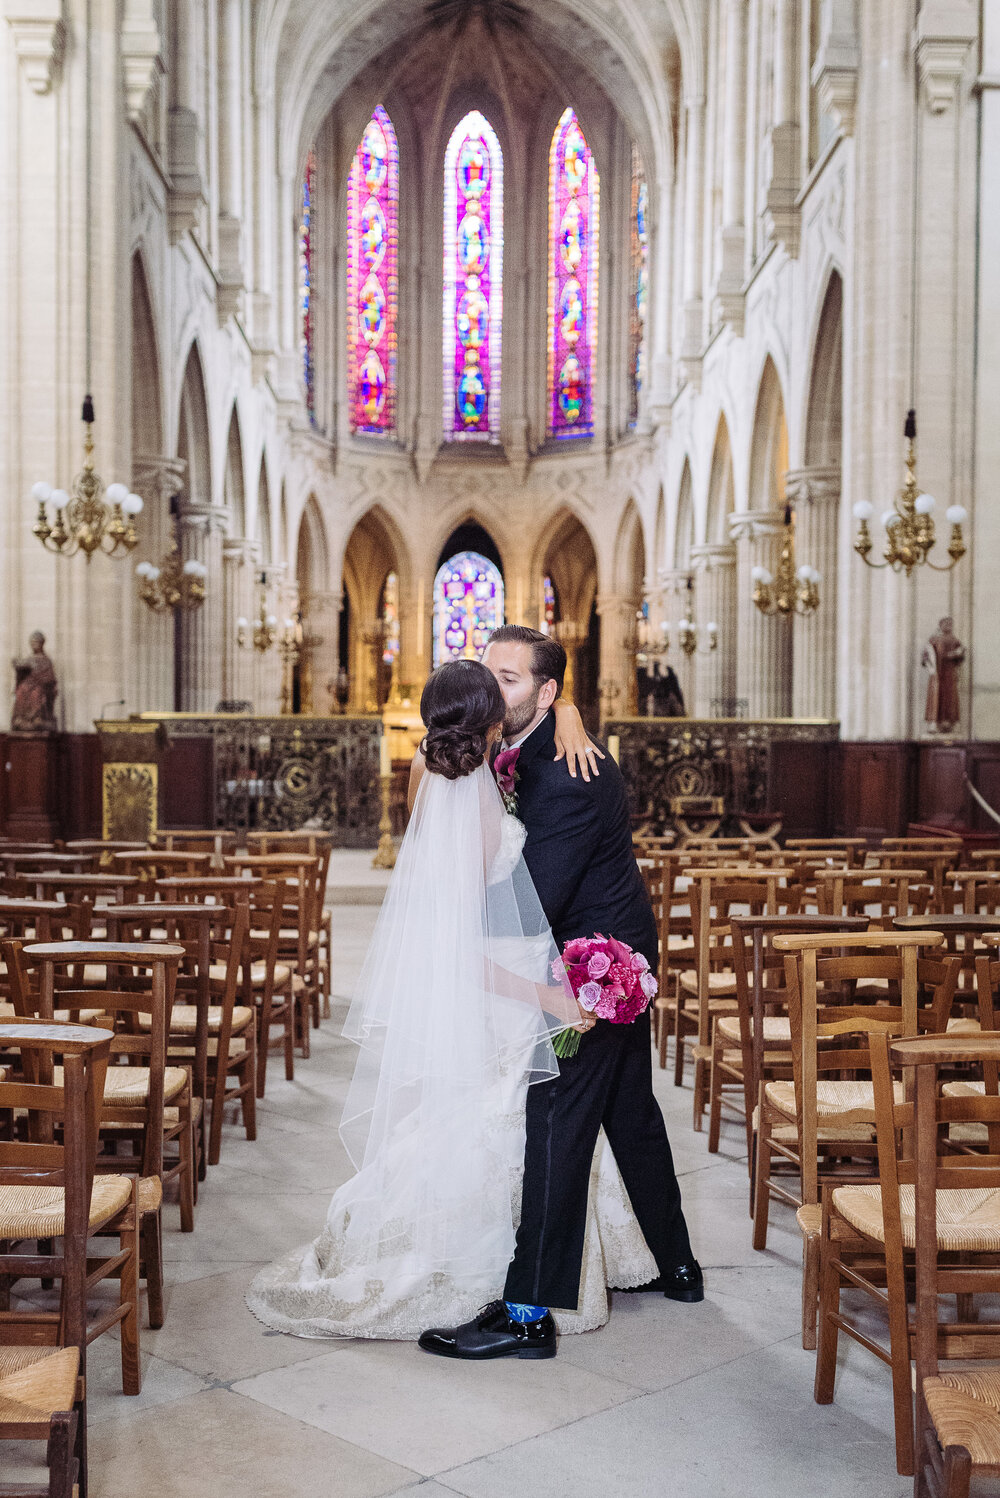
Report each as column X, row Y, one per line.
column 460, row 704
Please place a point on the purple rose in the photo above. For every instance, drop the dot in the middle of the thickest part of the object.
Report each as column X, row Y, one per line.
column 599, row 965
column 590, row 996
column 649, row 985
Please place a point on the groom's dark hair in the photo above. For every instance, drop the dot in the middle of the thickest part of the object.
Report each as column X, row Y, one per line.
column 548, row 658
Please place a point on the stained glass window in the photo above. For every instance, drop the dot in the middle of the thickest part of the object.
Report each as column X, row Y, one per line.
column 306, row 284
column 390, row 619
column 372, row 229
column 473, row 280
column 548, row 623
column 468, row 606
column 574, row 252
column 639, row 243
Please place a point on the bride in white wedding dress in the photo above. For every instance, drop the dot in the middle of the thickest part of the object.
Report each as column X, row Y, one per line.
column 454, row 1014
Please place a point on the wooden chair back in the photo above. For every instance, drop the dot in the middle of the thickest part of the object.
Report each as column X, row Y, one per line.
column 879, row 895
column 158, row 864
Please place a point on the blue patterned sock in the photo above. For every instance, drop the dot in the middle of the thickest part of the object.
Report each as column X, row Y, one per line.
column 525, row 1314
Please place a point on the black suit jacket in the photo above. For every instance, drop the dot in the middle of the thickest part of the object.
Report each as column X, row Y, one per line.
column 579, row 848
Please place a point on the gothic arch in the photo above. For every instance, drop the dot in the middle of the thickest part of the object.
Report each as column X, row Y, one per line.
column 193, row 437
column 684, row 529
column 630, row 556
column 660, row 533
column 721, row 496
column 312, row 562
column 467, row 515
column 263, row 529
column 234, row 484
column 824, row 407
column 768, row 443
column 146, row 388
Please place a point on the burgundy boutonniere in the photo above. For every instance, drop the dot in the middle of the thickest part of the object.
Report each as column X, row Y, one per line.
column 505, row 770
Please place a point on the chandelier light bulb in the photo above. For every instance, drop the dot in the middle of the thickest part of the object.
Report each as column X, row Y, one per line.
column 761, row 575
column 143, row 569
column 131, row 503
column 60, row 499
column 804, row 573
column 41, row 493
column 271, row 621
column 924, row 504
column 956, row 514
column 864, row 510
column 115, row 493
column 242, row 623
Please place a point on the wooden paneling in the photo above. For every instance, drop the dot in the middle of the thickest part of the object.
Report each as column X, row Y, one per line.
column 187, row 783
column 800, row 778
column 80, row 785
column 30, row 768
column 876, row 789
column 942, row 798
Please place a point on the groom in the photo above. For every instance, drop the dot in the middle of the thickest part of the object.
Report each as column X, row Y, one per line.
column 579, row 853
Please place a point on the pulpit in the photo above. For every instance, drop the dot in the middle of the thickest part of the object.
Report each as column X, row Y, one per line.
column 131, row 755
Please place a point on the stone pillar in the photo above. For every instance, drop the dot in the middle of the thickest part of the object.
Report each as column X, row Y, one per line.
column 815, row 493
column 694, row 133
column 764, row 650
column 714, row 568
column 241, row 600
column 267, row 670
column 781, row 215
column 617, row 683
column 677, row 595
column 231, row 26
column 728, row 306
column 158, row 480
column 200, row 646
column 321, row 631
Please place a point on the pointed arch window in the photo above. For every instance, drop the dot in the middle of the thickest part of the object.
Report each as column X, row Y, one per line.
column 574, row 252
column 468, row 606
column 306, row 284
column 372, row 278
column 473, row 281
column 639, row 257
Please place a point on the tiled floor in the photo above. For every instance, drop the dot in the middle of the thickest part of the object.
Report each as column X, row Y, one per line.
column 710, row 1401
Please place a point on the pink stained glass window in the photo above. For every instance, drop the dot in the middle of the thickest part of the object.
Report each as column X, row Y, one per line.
column 372, row 288
column 574, row 252
column 306, row 284
column 548, row 623
column 473, row 281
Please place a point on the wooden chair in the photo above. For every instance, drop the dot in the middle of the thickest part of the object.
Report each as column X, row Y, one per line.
column 155, row 863
column 217, row 1039
column 75, row 888
column 851, row 849
column 881, row 895
column 935, row 864
column 957, row 1425
column 985, row 858
column 869, row 1232
column 217, row 844
column 316, row 845
column 267, row 983
column 964, row 938
column 822, row 1119
column 46, row 863
column 51, row 1198
column 147, row 1104
column 297, row 877
column 41, row 1398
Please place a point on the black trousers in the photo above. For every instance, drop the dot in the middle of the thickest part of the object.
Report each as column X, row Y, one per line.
column 609, row 1081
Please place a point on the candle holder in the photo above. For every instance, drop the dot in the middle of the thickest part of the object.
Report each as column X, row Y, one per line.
column 385, row 854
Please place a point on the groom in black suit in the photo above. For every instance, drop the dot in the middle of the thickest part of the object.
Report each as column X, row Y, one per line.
column 579, row 853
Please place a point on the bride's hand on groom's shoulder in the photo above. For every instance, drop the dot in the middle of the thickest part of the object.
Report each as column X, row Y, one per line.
column 572, row 743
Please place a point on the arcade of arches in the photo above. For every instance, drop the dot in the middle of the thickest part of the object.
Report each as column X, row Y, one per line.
column 688, row 263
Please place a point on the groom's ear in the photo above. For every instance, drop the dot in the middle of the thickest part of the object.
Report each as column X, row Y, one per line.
column 548, row 692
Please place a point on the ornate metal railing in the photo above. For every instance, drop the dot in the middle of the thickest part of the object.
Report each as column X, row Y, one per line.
column 280, row 774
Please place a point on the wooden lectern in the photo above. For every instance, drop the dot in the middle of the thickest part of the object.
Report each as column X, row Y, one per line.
column 131, row 754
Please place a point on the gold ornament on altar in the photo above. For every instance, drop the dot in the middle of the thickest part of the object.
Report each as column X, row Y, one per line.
column 173, row 584
column 89, row 518
column 793, row 590
column 909, row 526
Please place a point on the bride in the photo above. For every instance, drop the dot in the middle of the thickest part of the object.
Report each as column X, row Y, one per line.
column 454, row 1014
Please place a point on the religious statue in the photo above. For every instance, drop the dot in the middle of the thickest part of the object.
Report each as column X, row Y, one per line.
column 943, row 654
column 35, row 691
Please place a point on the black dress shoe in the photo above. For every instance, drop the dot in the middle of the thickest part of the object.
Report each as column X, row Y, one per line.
column 492, row 1333
column 683, row 1283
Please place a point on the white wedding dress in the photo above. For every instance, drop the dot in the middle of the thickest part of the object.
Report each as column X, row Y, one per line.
column 454, row 1013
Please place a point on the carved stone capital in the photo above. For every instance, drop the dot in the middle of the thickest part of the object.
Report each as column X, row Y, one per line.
column 39, row 36
column 141, row 60
column 201, row 519
column 817, row 484
column 153, row 474
column 756, row 525
column 940, row 65
column 713, row 556
column 835, row 71
column 240, row 551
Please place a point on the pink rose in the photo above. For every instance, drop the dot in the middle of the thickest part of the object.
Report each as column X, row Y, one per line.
column 638, row 963
column 649, row 985
column 589, row 997
column 599, row 965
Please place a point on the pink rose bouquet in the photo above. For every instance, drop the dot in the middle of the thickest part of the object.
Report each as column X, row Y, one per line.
column 609, row 980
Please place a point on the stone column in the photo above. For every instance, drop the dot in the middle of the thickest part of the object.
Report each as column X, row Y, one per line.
column 200, row 645
column 678, row 593
column 267, row 673
column 321, row 630
column 764, row 650
column 714, row 569
column 158, row 480
column 231, row 25
column 732, row 236
column 695, row 126
column 617, row 683
column 241, row 600
column 781, row 216
column 815, row 493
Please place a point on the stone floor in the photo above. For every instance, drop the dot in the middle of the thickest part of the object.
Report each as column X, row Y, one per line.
column 692, row 1401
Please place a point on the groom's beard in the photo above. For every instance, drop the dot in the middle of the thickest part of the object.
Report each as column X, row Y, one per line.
column 518, row 718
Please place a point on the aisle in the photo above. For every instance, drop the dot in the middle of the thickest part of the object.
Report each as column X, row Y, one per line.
column 695, row 1402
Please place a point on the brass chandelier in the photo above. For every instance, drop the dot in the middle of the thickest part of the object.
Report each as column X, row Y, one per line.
column 173, row 584
column 909, row 526
column 262, row 635
column 794, row 590
column 89, row 518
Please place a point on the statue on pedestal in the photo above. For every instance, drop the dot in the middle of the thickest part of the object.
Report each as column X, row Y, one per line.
column 943, row 654
column 35, row 691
